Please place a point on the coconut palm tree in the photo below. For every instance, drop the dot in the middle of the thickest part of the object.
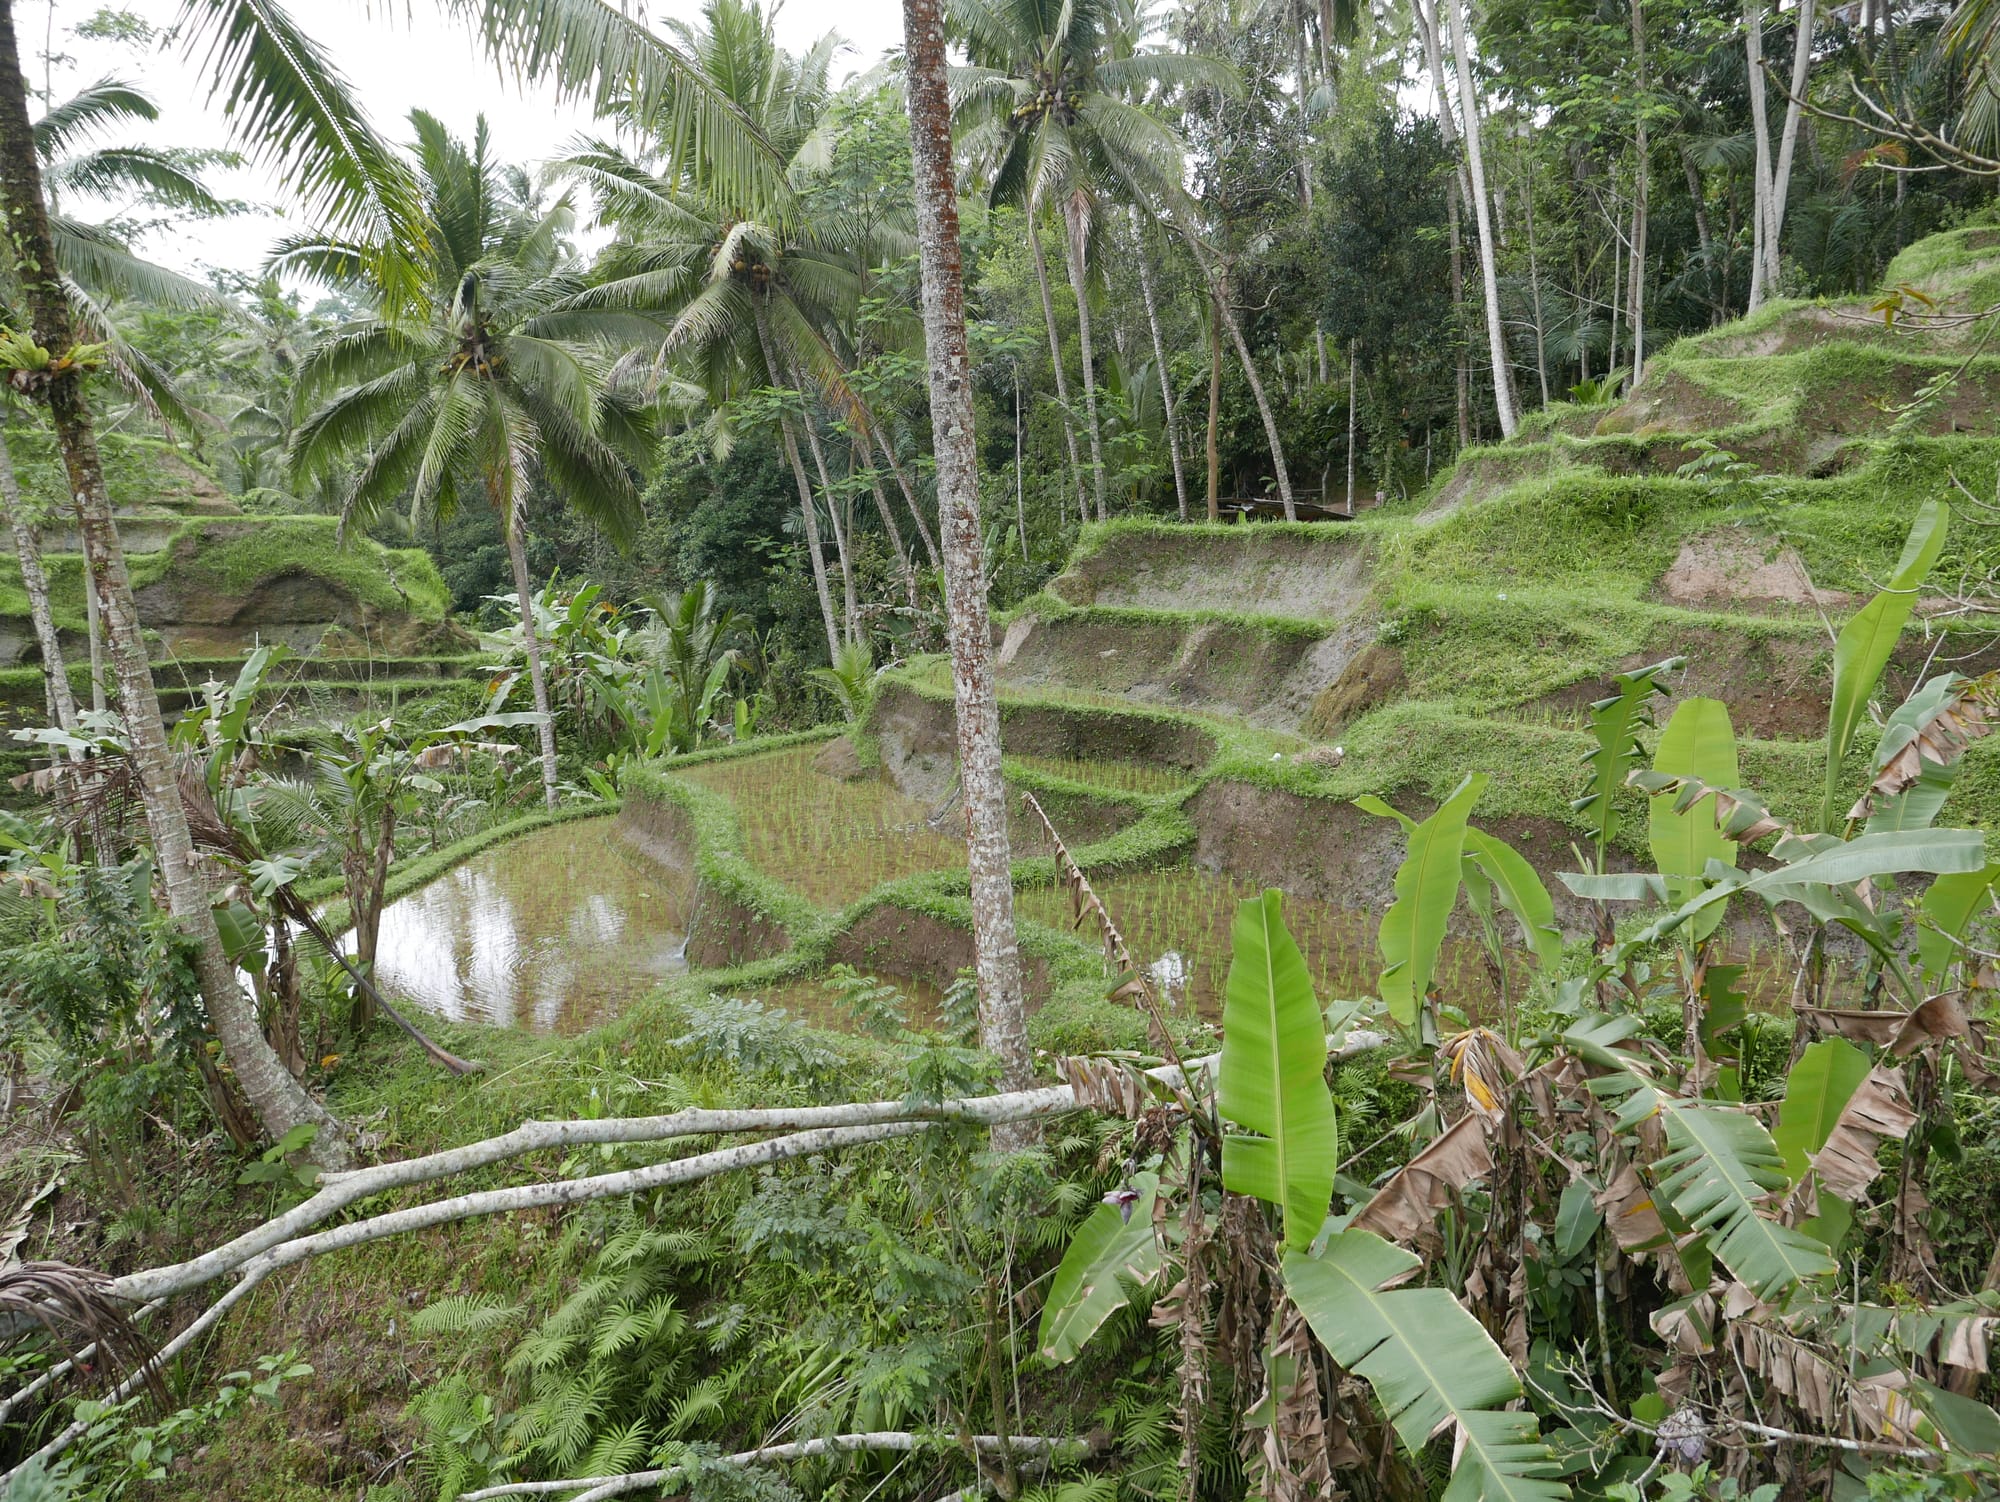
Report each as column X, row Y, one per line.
column 496, row 386
column 1047, row 110
column 98, row 267
column 1003, row 1017
column 53, row 360
column 750, row 287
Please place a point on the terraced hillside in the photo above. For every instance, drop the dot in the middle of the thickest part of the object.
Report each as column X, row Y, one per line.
column 1204, row 703
column 211, row 582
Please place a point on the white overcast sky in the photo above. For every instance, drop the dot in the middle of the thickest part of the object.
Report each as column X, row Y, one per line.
column 399, row 56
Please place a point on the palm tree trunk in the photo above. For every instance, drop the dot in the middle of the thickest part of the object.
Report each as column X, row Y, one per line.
column 1020, row 475
column 1003, row 1018
column 1760, row 130
column 858, row 450
column 1055, row 359
column 28, row 548
column 1489, row 271
column 1535, row 279
column 850, row 607
column 1704, row 233
column 515, row 525
column 1781, row 177
column 93, row 625
column 1159, row 364
column 1462, row 360
column 1073, row 253
column 1641, row 186
column 280, row 1102
column 1213, row 450
column 1353, row 390
column 867, row 433
column 1218, row 291
column 807, row 511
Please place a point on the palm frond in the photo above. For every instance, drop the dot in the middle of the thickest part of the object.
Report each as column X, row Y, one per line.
column 592, row 49
column 160, row 177
column 109, row 101
column 292, row 109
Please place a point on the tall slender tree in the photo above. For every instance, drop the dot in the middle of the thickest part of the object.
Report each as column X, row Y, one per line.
column 1489, row 260
column 1046, row 109
column 280, row 1101
column 1003, row 1024
column 497, row 384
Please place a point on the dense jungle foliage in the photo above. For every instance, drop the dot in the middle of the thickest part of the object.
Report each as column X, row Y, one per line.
column 1357, row 867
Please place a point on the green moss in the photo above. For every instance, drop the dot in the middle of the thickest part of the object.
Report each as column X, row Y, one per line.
column 231, row 556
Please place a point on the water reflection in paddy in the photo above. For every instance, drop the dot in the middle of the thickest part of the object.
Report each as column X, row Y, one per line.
column 554, row 932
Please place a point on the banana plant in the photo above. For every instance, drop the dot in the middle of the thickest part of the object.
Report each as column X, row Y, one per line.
column 1429, row 1362
column 1272, row 1083
column 1427, row 882
column 1615, row 723
column 1869, row 639
column 1698, row 742
column 1446, row 853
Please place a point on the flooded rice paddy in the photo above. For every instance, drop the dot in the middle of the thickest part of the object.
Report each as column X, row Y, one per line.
column 553, row 932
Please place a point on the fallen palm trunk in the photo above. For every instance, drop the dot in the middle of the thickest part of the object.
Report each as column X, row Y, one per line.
column 1092, row 1084
column 592, row 1487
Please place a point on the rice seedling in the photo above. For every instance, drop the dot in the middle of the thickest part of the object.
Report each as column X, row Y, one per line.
column 1119, row 776
column 830, row 841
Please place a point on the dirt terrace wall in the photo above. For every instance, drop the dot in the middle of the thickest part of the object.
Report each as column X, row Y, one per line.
column 899, row 941
column 1254, row 571
column 1235, row 667
column 1777, row 688
column 1333, row 852
column 722, row 932
column 915, row 737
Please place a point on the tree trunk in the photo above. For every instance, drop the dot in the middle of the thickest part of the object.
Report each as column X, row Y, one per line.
column 1463, row 359
column 1353, row 390
column 1535, row 280
column 1055, row 359
column 1617, row 294
column 1705, row 234
column 1781, row 177
column 1075, row 231
column 1214, row 451
column 1020, row 475
column 1218, row 291
column 1760, row 131
column 280, row 1102
column 809, row 514
column 807, row 511
column 28, row 548
column 1641, row 186
column 1427, row 28
column 93, row 625
column 850, row 607
column 1160, row 362
column 1489, row 270
column 1003, row 1023
column 869, row 435
column 904, row 565
column 515, row 524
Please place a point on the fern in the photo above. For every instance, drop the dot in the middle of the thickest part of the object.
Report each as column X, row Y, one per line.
column 618, row 1450
column 471, row 1314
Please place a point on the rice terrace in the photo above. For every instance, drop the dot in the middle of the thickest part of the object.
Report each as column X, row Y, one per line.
column 1177, row 752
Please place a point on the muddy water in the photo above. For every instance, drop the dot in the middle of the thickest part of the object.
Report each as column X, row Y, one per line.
column 554, row 932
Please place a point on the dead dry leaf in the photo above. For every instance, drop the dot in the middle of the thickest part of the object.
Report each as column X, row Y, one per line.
column 1879, row 1107
column 1403, row 1207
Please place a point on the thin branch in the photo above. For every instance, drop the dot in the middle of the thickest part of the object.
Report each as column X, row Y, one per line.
column 148, row 1370
column 594, row 1487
